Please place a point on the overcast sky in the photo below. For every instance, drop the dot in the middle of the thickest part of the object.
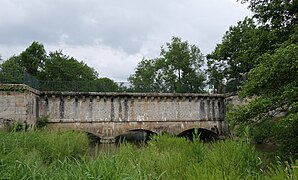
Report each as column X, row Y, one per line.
column 114, row 35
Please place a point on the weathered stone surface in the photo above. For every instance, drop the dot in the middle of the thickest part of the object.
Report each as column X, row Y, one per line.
column 114, row 129
column 20, row 106
column 111, row 114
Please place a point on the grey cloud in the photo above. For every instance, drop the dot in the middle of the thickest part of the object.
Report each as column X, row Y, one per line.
column 120, row 24
column 116, row 24
column 132, row 29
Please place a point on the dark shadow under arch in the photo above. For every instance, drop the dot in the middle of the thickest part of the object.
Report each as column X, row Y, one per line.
column 135, row 135
column 93, row 139
column 204, row 134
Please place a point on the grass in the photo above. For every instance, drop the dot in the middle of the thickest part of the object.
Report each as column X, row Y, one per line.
column 64, row 155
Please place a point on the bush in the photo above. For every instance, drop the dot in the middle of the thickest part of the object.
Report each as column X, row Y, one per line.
column 16, row 126
column 42, row 122
column 287, row 135
column 264, row 131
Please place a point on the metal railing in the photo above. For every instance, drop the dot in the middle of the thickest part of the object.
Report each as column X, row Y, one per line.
column 80, row 86
column 19, row 77
column 31, row 81
column 16, row 77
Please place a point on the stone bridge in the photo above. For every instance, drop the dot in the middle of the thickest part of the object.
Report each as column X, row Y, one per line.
column 109, row 115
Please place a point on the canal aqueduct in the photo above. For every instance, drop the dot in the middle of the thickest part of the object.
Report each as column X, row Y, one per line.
column 108, row 115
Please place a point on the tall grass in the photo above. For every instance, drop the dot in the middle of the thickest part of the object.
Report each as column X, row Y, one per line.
column 62, row 155
column 228, row 160
column 30, row 152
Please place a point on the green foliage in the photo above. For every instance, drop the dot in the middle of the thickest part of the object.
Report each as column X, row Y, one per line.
column 41, row 122
column 198, row 148
column 147, row 77
column 231, row 160
column 106, row 85
column 260, row 55
column 56, row 66
column 232, row 85
column 55, row 71
column 60, row 67
column 276, row 74
column 287, row 134
column 176, row 70
column 16, row 127
column 265, row 131
column 281, row 171
column 33, row 58
column 62, row 155
column 278, row 14
column 275, row 82
column 166, row 157
column 12, row 88
column 11, row 71
column 50, row 146
column 238, row 53
column 273, row 23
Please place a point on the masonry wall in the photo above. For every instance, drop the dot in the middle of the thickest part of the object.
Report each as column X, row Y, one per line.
column 111, row 107
column 19, row 104
column 108, row 114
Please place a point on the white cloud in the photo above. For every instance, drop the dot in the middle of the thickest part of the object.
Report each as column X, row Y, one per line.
column 109, row 62
column 113, row 36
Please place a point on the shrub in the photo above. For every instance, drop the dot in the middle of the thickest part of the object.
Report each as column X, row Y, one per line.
column 287, row 135
column 41, row 122
column 264, row 131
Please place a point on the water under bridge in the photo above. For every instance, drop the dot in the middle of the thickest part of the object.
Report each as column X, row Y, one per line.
column 109, row 115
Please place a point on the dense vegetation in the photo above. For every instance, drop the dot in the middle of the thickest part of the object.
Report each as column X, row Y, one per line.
column 258, row 58
column 54, row 71
column 64, row 155
column 53, row 67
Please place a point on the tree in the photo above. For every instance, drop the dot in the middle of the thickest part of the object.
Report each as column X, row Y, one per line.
column 278, row 14
column 176, row 70
column 273, row 80
column 53, row 67
column 183, row 62
column 275, row 83
column 11, row 71
column 238, row 53
column 33, row 58
column 60, row 67
column 145, row 78
column 106, row 85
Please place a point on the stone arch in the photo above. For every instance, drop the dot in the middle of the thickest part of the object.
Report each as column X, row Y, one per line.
column 135, row 135
column 93, row 138
column 149, row 132
column 205, row 134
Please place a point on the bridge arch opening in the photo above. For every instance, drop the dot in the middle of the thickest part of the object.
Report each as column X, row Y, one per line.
column 135, row 135
column 204, row 134
column 93, row 139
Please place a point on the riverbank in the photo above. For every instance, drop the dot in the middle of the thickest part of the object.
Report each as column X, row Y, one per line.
column 65, row 155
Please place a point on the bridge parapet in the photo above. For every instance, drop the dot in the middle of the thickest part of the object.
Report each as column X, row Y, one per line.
column 111, row 114
column 108, row 114
column 114, row 107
